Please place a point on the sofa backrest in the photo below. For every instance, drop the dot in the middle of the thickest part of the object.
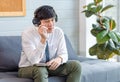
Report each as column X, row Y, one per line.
column 71, row 53
column 10, row 51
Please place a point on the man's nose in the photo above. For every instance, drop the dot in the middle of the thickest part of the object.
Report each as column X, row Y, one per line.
column 50, row 23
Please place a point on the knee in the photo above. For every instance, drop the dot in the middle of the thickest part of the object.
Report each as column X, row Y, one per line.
column 76, row 65
column 40, row 72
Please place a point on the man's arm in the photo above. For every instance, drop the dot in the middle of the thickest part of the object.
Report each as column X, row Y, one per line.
column 34, row 53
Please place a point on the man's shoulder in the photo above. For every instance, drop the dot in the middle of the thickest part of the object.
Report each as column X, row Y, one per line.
column 58, row 29
column 29, row 29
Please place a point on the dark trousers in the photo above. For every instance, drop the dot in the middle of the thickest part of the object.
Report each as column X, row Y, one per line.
column 71, row 69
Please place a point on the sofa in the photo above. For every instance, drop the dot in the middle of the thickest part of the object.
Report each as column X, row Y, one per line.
column 93, row 70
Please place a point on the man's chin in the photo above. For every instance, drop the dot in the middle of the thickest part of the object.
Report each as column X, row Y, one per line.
column 50, row 31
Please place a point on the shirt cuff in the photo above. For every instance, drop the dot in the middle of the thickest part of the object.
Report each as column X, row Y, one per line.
column 64, row 59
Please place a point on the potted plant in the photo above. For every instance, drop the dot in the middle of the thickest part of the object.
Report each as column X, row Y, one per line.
column 107, row 38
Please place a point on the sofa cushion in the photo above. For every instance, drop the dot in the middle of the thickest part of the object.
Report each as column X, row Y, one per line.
column 13, row 77
column 15, row 80
column 10, row 48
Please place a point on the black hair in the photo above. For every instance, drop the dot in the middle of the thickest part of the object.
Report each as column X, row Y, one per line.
column 43, row 12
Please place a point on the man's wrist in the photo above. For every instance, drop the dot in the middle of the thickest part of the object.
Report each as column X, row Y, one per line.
column 60, row 59
column 43, row 41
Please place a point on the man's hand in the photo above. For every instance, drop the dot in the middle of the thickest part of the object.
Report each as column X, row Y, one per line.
column 54, row 63
column 42, row 30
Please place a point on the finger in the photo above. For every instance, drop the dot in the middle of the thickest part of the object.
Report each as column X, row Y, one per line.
column 45, row 29
column 53, row 66
column 42, row 27
column 50, row 62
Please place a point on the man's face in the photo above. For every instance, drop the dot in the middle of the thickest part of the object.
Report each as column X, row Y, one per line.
column 49, row 23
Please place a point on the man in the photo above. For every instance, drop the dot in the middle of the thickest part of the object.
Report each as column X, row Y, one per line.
column 44, row 50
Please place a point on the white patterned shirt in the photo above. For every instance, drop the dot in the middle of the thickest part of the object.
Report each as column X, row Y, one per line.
column 33, row 51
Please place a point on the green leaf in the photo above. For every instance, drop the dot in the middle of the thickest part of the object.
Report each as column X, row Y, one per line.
column 112, row 24
column 117, row 51
column 105, row 21
column 93, row 10
column 94, row 25
column 95, row 31
column 88, row 13
column 102, row 37
column 117, row 45
column 89, row 6
column 108, row 54
column 106, row 8
column 92, row 50
column 103, row 52
column 102, row 47
column 111, row 45
column 100, row 52
column 98, row 8
column 113, row 36
column 118, row 36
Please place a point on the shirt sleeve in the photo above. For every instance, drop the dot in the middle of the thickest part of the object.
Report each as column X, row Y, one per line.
column 62, row 50
column 34, row 53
